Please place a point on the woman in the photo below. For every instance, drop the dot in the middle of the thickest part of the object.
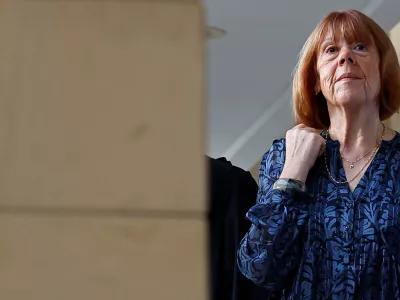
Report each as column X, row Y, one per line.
column 327, row 220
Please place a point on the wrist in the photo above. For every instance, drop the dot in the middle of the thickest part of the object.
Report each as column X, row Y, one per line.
column 287, row 184
column 295, row 173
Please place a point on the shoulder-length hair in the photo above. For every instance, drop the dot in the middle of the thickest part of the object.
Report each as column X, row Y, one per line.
column 311, row 109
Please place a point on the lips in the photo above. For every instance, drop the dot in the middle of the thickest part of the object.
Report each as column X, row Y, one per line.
column 348, row 76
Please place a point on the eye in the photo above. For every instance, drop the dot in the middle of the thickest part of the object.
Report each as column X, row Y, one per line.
column 330, row 50
column 360, row 47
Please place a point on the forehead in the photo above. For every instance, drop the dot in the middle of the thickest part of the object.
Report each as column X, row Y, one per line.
column 350, row 27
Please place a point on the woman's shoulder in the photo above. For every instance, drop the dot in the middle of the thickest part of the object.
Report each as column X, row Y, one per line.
column 391, row 140
column 390, row 152
column 275, row 153
column 276, row 145
column 390, row 135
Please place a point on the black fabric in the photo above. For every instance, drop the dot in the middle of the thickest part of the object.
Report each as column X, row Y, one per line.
column 232, row 192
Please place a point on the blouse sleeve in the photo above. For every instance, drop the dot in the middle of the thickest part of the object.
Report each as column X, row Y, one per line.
column 271, row 250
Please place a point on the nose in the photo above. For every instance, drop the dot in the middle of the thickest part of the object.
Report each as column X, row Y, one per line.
column 346, row 57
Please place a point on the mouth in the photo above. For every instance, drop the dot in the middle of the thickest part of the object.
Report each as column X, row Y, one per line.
column 348, row 77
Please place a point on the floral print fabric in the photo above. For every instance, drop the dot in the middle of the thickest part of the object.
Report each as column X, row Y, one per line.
column 330, row 243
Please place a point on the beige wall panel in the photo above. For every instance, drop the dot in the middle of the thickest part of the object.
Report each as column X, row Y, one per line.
column 394, row 121
column 395, row 36
column 65, row 258
column 101, row 104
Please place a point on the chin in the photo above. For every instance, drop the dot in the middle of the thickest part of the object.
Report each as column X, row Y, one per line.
column 349, row 97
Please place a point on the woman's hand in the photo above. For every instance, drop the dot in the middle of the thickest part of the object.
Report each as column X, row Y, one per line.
column 303, row 146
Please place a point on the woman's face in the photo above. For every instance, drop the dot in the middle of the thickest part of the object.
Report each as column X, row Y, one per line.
column 348, row 72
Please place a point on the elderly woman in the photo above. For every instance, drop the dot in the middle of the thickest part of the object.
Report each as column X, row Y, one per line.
column 327, row 221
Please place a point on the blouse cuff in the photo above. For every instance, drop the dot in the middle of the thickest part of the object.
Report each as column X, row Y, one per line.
column 284, row 210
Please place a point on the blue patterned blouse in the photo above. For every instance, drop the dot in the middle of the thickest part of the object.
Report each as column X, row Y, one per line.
column 330, row 243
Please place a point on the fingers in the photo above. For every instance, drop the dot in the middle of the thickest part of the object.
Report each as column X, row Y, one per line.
column 317, row 139
column 303, row 144
column 304, row 127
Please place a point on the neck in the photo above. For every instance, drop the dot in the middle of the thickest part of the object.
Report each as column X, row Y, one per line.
column 356, row 131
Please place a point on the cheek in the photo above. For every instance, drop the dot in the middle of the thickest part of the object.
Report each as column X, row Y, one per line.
column 374, row 81
column 373, row 76
column 326, row 78
column 327, row 67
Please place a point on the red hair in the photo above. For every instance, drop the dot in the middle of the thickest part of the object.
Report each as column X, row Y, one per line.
column 353, row 26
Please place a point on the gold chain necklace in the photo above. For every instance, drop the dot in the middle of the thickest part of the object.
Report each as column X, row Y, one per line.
column 374, row 151
column 352, row 163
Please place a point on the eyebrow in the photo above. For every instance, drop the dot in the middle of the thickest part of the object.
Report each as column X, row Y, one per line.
column 328, row 40
column 324, row 42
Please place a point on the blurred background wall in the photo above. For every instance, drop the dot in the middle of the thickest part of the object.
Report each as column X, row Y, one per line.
column 101, row 197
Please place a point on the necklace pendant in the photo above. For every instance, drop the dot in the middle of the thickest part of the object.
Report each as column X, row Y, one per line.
column 351, row 166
